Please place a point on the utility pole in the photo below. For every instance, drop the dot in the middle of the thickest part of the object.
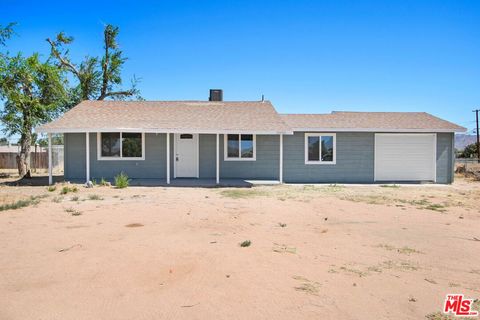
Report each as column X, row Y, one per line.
column 478, row 136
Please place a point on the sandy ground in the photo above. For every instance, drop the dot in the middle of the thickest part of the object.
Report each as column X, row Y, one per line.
column 317, row 252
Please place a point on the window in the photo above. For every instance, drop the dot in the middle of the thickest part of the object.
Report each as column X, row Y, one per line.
column 320, row 148
column 121, row 146
column 240, row 147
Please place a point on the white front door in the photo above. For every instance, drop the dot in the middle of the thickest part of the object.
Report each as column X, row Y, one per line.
column 186, row 155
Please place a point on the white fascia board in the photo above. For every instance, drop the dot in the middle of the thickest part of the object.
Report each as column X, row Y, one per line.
column 83, row 130
column 377, row 130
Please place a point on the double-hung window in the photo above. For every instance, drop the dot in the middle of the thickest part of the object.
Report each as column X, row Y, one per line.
column 320, row 148
column 240, row 147
column 121, row 146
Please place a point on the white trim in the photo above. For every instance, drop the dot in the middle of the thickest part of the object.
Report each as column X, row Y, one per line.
column 320, row 134
column 99, row 149
column 50, row 178
column 168, row 157
column 217, row 160
column 174, row 156
column 197, row 153
column 375, row 156
column 280, row 174
column 225, row 148
column 435, row 157
column 376, row 130
column 87, row 156
column 82, row 130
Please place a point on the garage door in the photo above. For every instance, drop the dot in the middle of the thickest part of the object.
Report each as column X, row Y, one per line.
column 405, row 157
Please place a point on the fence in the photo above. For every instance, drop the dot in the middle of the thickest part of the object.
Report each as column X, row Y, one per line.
column 38, row 160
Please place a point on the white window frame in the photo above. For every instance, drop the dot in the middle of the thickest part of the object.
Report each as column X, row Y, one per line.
column 239, row 158
column 102, row 158
column 320, row 135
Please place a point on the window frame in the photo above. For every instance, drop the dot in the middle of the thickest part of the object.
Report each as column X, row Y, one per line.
column 239, row 158
column 103, row 158
column 320, row 135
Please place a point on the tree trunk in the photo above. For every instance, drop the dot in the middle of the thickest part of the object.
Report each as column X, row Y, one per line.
column 23, row 158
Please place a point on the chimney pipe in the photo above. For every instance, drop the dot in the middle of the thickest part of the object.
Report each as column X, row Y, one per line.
column 216, row 95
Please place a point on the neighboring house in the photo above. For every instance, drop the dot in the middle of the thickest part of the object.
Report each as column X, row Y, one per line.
column 250, row 140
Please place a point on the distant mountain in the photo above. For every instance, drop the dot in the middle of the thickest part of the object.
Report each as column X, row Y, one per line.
column 463, row 140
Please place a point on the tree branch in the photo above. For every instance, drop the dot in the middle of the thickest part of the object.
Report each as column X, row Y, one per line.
column 126, row 93
column 63, row 61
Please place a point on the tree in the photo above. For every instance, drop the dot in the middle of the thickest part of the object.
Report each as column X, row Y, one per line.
column 470, row 151
column 33, row 92
column 3, row 141
column 98, row 79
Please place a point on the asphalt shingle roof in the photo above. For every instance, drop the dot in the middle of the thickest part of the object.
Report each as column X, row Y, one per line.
column 170, row 116
column 232, row 117
column 370, row 121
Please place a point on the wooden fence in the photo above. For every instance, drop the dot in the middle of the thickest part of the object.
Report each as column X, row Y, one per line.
column 38, row 160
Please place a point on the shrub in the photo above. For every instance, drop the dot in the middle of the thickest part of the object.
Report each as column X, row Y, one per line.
column 67, row 189
column 121, row 180
column 52, row 188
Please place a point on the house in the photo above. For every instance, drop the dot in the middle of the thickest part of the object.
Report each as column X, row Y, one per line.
column 219, row 139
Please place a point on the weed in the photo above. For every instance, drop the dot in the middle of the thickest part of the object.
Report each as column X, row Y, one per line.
column 76, row 198
column 104, row 183
column 395, row 186
column 73, row 212
column 283, row 225
column 94, row 197
column 57, row 199
column 21, row 203
column 121, row 180
column 68, row 189
column 242, row 193
column 245, row 243
column 52, row 188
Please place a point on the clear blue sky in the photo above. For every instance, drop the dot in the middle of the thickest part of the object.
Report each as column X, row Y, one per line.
column 305, row 56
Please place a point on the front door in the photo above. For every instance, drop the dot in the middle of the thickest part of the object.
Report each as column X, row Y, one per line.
column 186, row 155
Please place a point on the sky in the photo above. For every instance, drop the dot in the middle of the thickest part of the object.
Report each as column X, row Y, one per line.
column 304, row 56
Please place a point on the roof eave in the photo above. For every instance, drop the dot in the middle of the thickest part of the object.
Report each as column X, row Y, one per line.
column 160, row 130
column 412, row 130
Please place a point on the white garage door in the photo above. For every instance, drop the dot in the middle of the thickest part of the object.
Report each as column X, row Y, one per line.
column 405, row 157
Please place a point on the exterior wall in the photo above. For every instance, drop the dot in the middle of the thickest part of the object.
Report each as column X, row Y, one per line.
column 445, row 157
column 354, row 162
column 153, row 167
column 265, row 167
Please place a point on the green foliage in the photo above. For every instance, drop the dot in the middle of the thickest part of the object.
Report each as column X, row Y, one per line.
column 98, row 78
column 121, row 180
column 470, row 151
column 52, row 188
column 68, row 189
column 6, row 32
column 104, row 183
column 21, row 203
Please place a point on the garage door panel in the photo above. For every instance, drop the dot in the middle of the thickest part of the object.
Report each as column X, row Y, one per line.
column 405, row 157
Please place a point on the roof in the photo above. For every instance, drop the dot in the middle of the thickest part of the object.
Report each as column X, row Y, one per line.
column 370, row 121
column 231, row 117
column 170, row 116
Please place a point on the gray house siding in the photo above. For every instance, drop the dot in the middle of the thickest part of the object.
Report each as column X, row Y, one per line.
column 74, row 156
column 153, row 167
column 265, row 167
column 445, row 157
column 354, row 162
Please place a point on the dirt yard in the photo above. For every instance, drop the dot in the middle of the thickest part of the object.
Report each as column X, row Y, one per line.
column 309, row 252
